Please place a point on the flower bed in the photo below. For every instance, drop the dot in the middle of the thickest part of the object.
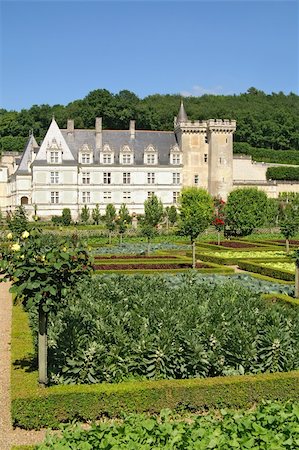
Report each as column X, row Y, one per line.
column 234, row 244
column 102, row 257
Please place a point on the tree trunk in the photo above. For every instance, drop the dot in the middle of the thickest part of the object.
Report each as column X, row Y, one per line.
column 287, row 246
column 296, row 281
column 148, row 247
column 120, row 238
column 42, row 347
column 110, row 237
column 218, row 237
column 193, row 255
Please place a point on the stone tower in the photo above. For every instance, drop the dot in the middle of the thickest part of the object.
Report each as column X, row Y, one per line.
column 207, row 149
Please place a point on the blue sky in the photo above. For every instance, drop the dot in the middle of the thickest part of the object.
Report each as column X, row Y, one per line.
column 58, row 51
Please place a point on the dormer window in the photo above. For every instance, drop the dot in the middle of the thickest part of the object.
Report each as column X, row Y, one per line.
column 126, row 155
column 107, row 155
column 85, row 155
column 54, row 152
column 150, row 155
column 175, row 156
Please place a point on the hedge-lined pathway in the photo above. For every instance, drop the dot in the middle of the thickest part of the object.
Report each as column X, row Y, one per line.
column 8, row 435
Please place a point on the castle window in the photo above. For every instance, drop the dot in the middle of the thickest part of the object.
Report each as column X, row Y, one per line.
column 150, row 194
column 151, row 158
column 126, row 178
column 126, row 196
column 205, row 157
column 107, row 195
column 85, row 158
column 55, row 197
column 151, row 178
column 176, row 159
column 220, row 160
column 107, row 158
column 196, row 179
column 86, row 177
column 175, row 197
column 107, row 177
column 176, row 178
column 85, row 197
column 54, row 178
column 127, row 159
column 54, row 157
column 206, row 139
column 150, row 155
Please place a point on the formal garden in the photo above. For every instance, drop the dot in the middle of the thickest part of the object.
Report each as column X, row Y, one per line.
column 180, row 333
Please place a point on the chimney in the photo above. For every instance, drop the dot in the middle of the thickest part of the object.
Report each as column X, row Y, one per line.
column 70, row 126
column 99, row 132
column 132, row 129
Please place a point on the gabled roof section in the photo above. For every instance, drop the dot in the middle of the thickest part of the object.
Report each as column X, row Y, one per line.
column 26, row 157
column 182, row 115
column 54, row 138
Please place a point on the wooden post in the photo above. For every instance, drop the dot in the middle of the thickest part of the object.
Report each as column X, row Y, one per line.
column 296, row 281
column 287, row 246
column 42, row 347
column 218, row 237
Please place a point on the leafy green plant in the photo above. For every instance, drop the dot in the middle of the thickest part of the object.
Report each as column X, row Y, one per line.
column 153, row 213
column 96, row 215
column 85, row 214
column 18, row 221
column 123, row 220
column 66, row 218
column 110, row 219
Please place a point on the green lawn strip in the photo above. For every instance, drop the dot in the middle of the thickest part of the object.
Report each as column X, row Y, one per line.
column 224, row 271
column 34, row 408
column 254, row 266
column 209, row 257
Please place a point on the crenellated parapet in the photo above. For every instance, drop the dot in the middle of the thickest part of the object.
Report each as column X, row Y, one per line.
column 196, row 126
column 221, row 125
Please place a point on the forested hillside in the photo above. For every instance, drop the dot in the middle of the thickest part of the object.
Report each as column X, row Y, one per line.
column 267, row 121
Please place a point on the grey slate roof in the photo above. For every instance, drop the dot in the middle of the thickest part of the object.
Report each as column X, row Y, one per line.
column 26, row 156
column 162, row 141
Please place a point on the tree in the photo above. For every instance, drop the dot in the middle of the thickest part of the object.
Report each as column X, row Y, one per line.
column 85, row 214
column 245, row 211
column 195, row 214
column 18, row 221
column 288, row 219
column 44, row 271
column 219, row 216
column 96, row 215
column 272, row 212
column 296, row 258
column 66, row 217
column 171, row 215
column 153, row 213
column 122, row 221
column 110, row 218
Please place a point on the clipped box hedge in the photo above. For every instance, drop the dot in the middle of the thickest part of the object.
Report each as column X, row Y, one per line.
column 34, row 407
column 253, row 266
column 285, row 173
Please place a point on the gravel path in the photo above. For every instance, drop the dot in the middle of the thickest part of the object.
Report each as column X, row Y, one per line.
column 8, row 435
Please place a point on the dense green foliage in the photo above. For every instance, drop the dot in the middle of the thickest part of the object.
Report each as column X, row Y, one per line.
column 18, row 220
column 124, row 327
column 283, row 173
column 245, row 210
column 267, row 155
column 269, row 121
column 270, row 425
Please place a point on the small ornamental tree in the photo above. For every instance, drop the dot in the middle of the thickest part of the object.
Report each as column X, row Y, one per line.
column 96, row 215
column 171, row 215
column 18, row 221
column 122, row 221
column 110, row 219
column 219, row 216
column 245, row 211
column 85, row 214
column 153, row 214
column 196, row 212
column 66, row 217
column 44, row 271
column 288, row 220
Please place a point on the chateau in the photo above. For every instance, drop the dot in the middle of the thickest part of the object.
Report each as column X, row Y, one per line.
column 74, row 167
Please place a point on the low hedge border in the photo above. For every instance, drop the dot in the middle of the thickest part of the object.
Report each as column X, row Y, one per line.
column 251, row 266
column 217, row 269
column 253, row 246
column 281, row 298
column 209, row 257
column 267, row 278
column 35, row 408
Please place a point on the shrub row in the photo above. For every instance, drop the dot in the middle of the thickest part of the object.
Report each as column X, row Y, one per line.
column 273, row 298
column 50, row 407
column 214, row 269
column 266, row 154
column 228, row 261
column 269, row 271
column 283, row 173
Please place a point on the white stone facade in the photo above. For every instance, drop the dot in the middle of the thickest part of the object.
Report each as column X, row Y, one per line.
column 72, row 167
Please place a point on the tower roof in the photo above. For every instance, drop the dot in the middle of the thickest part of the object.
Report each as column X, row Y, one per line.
column 182, row 115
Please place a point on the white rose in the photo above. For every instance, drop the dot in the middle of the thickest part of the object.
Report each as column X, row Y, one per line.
column 9, row 236
column 16, row 247
column 25, row 234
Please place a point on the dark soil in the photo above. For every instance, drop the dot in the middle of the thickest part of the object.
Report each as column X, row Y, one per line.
column 135, row 257
column 232, row 244
column 148, row 266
